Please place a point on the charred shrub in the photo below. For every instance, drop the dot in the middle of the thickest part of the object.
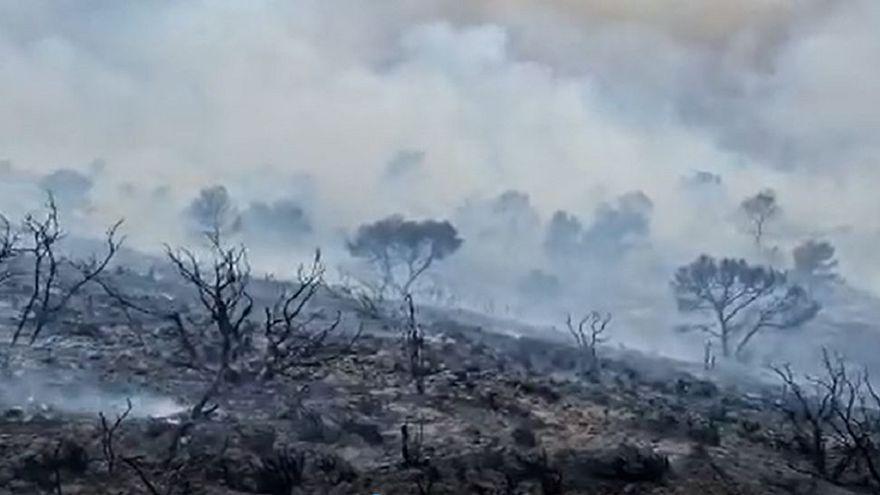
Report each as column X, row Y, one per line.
column 280, row 473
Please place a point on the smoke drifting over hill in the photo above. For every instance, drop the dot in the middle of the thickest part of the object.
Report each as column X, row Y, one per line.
column 439, row 246
column 344, row 112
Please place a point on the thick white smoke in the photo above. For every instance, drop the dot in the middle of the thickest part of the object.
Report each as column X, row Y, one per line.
column 572, row 102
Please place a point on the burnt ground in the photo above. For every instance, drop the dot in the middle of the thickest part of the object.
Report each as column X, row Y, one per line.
column 500, row 415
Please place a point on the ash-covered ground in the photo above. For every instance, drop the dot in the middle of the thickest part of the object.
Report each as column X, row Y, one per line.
column 495, row 409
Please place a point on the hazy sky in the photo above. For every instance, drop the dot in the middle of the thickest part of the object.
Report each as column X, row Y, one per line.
column 373, row 107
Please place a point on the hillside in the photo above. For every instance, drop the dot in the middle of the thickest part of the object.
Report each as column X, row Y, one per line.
column 499, row 415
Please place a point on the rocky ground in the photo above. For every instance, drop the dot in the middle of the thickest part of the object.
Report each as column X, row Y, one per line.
column 499, row 415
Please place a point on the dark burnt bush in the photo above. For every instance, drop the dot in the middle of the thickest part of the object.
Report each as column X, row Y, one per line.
column 280, row 473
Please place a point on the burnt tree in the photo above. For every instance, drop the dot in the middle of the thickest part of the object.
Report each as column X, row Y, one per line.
column 222, row 289
column 742, row 299
column 414, row 345
column 588, row 333
column 108, row 436
column 232, row 345
column 291, row 340
column 809, row 411
column 835, row 420
column 55, row 279
column 402, row 250
column 8, row 247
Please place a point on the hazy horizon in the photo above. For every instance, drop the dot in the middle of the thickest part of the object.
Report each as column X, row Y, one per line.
column 434, row 109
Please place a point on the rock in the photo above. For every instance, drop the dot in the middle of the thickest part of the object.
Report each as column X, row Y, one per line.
column 313, row 427
column 250, row 473
column 369, row 432
column 524, row 436
column 236, row 468
column 6, row 475
column 694, row 387
column 282, row 473
column 21, row 486
column 39, row 462
column 14, row 414
column 82, row 329
column 156, row 427
column 39, row 418
column 334, row 469
column 207, row 438
column 705, row 432
column 258, row 439
column 625, row 463
column 541, row 390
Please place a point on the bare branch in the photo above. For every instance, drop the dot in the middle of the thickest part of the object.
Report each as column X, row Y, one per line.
column 402, row 250
column 841, row 412
column 742, row 299
column 222, row 289
column 8, row 247
column 50, row 293
column 588, row 333
column 108, row 431
column 414, row 345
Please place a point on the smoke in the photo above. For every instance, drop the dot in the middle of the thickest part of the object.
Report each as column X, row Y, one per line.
column 281, row 223
column 348, row 111
column 69, row 187
column 404, row 164
column 38, row 392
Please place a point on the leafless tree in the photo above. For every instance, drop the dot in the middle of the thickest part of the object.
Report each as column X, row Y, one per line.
column 369, row 300
column 56, row 468
column 412, row 444
column 222, row 289
column 369, row 296
column 414, row 345
column 708, row 356
column 742, row 299
column 50, row 292
column 291, row 341
column 222, row 339
column 810, row 414
column 162, row 309
column 426, row 478
column 108, row 433
column 8, row 247
column 414, row 455
column 857, row 424
column 588, row 333
column 42, row 237
column 171, row 480
column 837, row 419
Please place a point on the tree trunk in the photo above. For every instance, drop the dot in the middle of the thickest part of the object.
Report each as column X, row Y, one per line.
column 725, row 342
column 198, row 410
